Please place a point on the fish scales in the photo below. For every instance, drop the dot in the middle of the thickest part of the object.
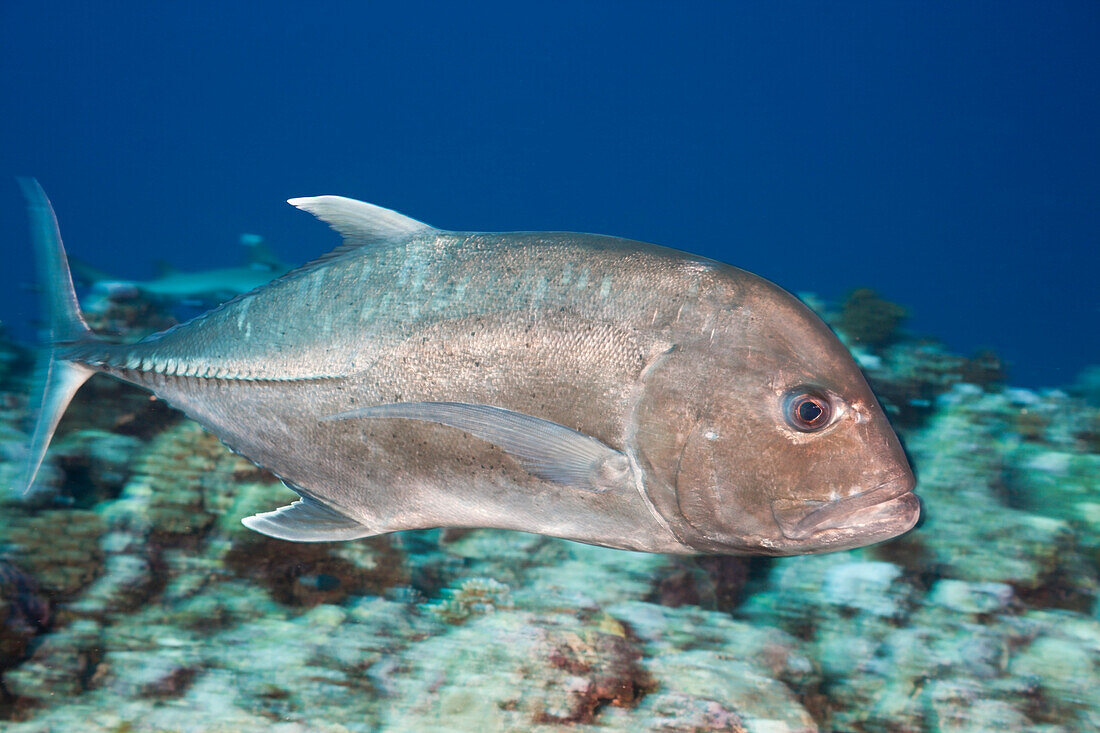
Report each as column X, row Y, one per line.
column 497, row 274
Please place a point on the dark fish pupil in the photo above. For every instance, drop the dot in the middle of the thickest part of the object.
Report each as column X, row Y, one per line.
column 809, row 411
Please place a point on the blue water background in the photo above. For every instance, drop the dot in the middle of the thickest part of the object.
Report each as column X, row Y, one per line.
column 944, row 154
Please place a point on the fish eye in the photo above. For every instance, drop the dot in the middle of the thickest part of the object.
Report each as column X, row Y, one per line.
column 807, row 410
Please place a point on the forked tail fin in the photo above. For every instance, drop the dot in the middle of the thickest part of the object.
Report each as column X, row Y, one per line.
column 57, row 378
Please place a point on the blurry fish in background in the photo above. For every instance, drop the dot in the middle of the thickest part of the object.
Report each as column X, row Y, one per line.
column 581, row 386
column 172, row 286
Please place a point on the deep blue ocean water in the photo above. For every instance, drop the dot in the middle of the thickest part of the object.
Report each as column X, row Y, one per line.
column 946, row 155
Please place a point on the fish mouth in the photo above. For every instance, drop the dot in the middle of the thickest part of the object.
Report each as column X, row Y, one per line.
column 888, row 507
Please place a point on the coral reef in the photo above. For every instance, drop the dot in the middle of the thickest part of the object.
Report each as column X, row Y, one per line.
column 541, row 669
column 474, row 597
column 132, row 598
column 866, row 318
column 59, row 548
column 24, row 613
column 13, row 359
column 127, row 315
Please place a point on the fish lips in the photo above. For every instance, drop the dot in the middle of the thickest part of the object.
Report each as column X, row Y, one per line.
column 887, row 510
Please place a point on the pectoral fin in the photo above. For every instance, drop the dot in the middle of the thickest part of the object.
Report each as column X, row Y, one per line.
column 546, row 449
column 307, row 520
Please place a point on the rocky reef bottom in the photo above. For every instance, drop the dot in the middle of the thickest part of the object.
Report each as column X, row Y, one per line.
column 131, row 598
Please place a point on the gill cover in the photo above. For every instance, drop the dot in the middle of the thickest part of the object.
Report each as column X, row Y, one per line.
column 675, row 441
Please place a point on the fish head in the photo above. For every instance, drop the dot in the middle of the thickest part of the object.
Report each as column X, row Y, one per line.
column 766, row 438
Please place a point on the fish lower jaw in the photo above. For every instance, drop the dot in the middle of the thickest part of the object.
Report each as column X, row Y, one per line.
column 839, row 526
column 870, row 525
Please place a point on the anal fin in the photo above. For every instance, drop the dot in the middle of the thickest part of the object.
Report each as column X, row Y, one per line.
column 307, row 520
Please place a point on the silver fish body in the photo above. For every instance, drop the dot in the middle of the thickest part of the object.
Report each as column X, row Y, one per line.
column 581, row 386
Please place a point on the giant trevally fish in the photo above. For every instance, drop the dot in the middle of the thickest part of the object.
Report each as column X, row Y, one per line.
column 581, row 386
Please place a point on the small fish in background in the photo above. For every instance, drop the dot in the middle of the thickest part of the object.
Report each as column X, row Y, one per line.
column 582, row 386
column 171, row 286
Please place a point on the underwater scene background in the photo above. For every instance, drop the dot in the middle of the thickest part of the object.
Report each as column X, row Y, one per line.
column 924, row 178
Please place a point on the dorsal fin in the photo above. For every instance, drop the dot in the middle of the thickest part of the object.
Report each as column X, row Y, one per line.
column 358, row 221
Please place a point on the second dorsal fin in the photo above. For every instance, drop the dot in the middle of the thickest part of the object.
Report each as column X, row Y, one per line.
column 358, row 221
